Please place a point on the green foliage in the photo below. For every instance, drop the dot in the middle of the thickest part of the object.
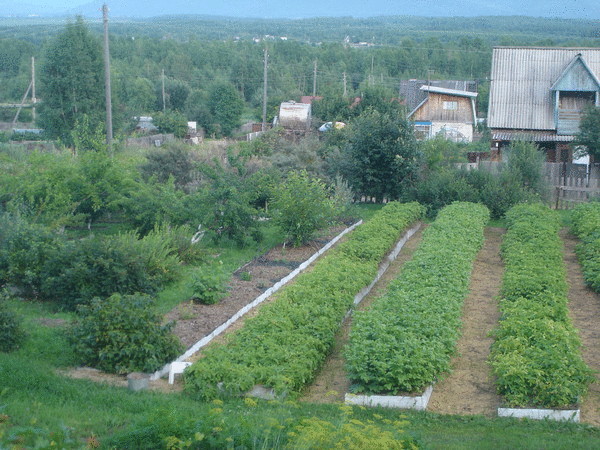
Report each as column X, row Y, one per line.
column 100, row 267
column 536, row 355
column 287, row 341
column 123, row 334
column 589, row 131
column 24, row 250
column 228, row 206
column 586, row 225
column 225, row 107
column 302, row 206
column 173, row 159
column 87, row 137
column 526, row 162
column 439, row 153
column 171, row 122
column 12, row 334
column 405, row 341
column 381, row 155
column 72, row 82
column 209, row 284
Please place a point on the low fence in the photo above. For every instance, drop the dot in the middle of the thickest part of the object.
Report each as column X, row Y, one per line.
column 570, row 183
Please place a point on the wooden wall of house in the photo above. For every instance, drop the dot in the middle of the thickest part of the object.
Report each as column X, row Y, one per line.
column 434, row 109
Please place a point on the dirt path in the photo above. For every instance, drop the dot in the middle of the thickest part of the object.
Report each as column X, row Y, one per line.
column 331, row 383
column 470, row 389
column 584, row 305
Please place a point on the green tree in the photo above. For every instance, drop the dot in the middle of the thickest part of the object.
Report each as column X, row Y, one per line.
column 381, row 156
column 225, row 106
column 589, row 132
column 72, row 82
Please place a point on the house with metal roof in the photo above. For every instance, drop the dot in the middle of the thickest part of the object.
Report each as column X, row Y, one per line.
column 539, row 94
column 444, row 107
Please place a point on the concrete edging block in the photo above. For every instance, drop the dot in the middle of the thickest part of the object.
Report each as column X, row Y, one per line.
column 573, row 415
column 418, row 403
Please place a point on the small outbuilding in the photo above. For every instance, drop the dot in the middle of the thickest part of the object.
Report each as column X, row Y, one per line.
column 295, row 116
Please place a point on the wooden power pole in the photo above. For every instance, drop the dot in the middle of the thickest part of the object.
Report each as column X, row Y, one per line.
column 264, row 109
column 33, row 99
column 109, row 125
column 163, row 90
column 314, row 93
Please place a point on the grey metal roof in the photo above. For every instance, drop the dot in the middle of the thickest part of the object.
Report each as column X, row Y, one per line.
column 530, row 136
column 522, row 78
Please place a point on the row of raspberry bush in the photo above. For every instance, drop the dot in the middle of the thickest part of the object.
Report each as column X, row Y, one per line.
column 586, row 225
column 405, row 341
column 284, row 345
column 536, row 354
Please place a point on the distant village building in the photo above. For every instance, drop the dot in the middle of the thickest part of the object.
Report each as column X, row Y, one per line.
column 538, row 94
column 295, row 116
column 441, row 107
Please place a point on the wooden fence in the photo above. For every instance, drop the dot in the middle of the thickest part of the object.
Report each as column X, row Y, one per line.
column 570, row 183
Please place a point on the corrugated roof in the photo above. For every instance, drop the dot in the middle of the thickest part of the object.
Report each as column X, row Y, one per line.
column 522, row 78
column 530, row 136
column 411, row 91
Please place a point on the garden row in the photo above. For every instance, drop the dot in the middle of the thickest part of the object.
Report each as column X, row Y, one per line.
column 586, row 225
column 283, row 346
column 536, row 356
column 405, row 341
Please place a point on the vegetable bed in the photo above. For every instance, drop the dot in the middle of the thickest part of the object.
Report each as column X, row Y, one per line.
column 405, row 341
column 536, row 356
column 284, row 345
column 586, row 226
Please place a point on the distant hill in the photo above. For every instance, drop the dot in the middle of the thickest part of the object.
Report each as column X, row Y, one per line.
column 308, row 8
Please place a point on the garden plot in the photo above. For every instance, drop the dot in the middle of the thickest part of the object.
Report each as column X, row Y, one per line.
column 405, row 341
column 283, row 346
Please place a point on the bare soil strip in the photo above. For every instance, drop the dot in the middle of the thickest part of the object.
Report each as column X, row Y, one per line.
column 331, row 383
column 584, row 306
column 470, row 388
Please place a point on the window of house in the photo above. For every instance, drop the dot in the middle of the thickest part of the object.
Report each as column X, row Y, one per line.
column 422, row 131
column 451, row 106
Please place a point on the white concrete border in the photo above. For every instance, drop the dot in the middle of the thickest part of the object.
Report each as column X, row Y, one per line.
column 573, row 415
column 220, row 329
column 418, row 403
column 386, row 263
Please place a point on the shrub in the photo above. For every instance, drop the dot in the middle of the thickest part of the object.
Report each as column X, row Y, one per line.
column 586, row 225
column 209, row 285
column 123, row 334
column 302, row 206
column 173, row 160
column 12, row 334
column 100, row 267
column 24, row 249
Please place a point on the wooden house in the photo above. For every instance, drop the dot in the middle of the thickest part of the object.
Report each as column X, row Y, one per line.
column 538, row 94
column 444, row 108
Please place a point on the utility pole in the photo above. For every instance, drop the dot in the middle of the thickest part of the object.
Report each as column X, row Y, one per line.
column 314, row 92
column 33, row 99
column 264, row 109
column 345, row 86
column 109, row 125
column 163, row 90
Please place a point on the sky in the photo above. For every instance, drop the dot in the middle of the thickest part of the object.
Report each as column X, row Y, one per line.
column 589, row 9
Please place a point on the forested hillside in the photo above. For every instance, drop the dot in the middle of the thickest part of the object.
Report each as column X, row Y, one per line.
column 199, row 54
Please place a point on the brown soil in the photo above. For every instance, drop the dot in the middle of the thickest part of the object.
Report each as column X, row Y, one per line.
column 88, row 373
column 331, row 383
column 194, row 321
column 584, row 305
column 469, row 388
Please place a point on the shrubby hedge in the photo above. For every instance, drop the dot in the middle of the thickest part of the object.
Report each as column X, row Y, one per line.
column 586, row 225
column 536, row 356
column 284, row 345
column 405, row 341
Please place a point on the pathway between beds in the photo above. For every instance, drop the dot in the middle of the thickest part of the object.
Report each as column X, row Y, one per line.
column 470, row 388
column 584, row 305
column 331, row 383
